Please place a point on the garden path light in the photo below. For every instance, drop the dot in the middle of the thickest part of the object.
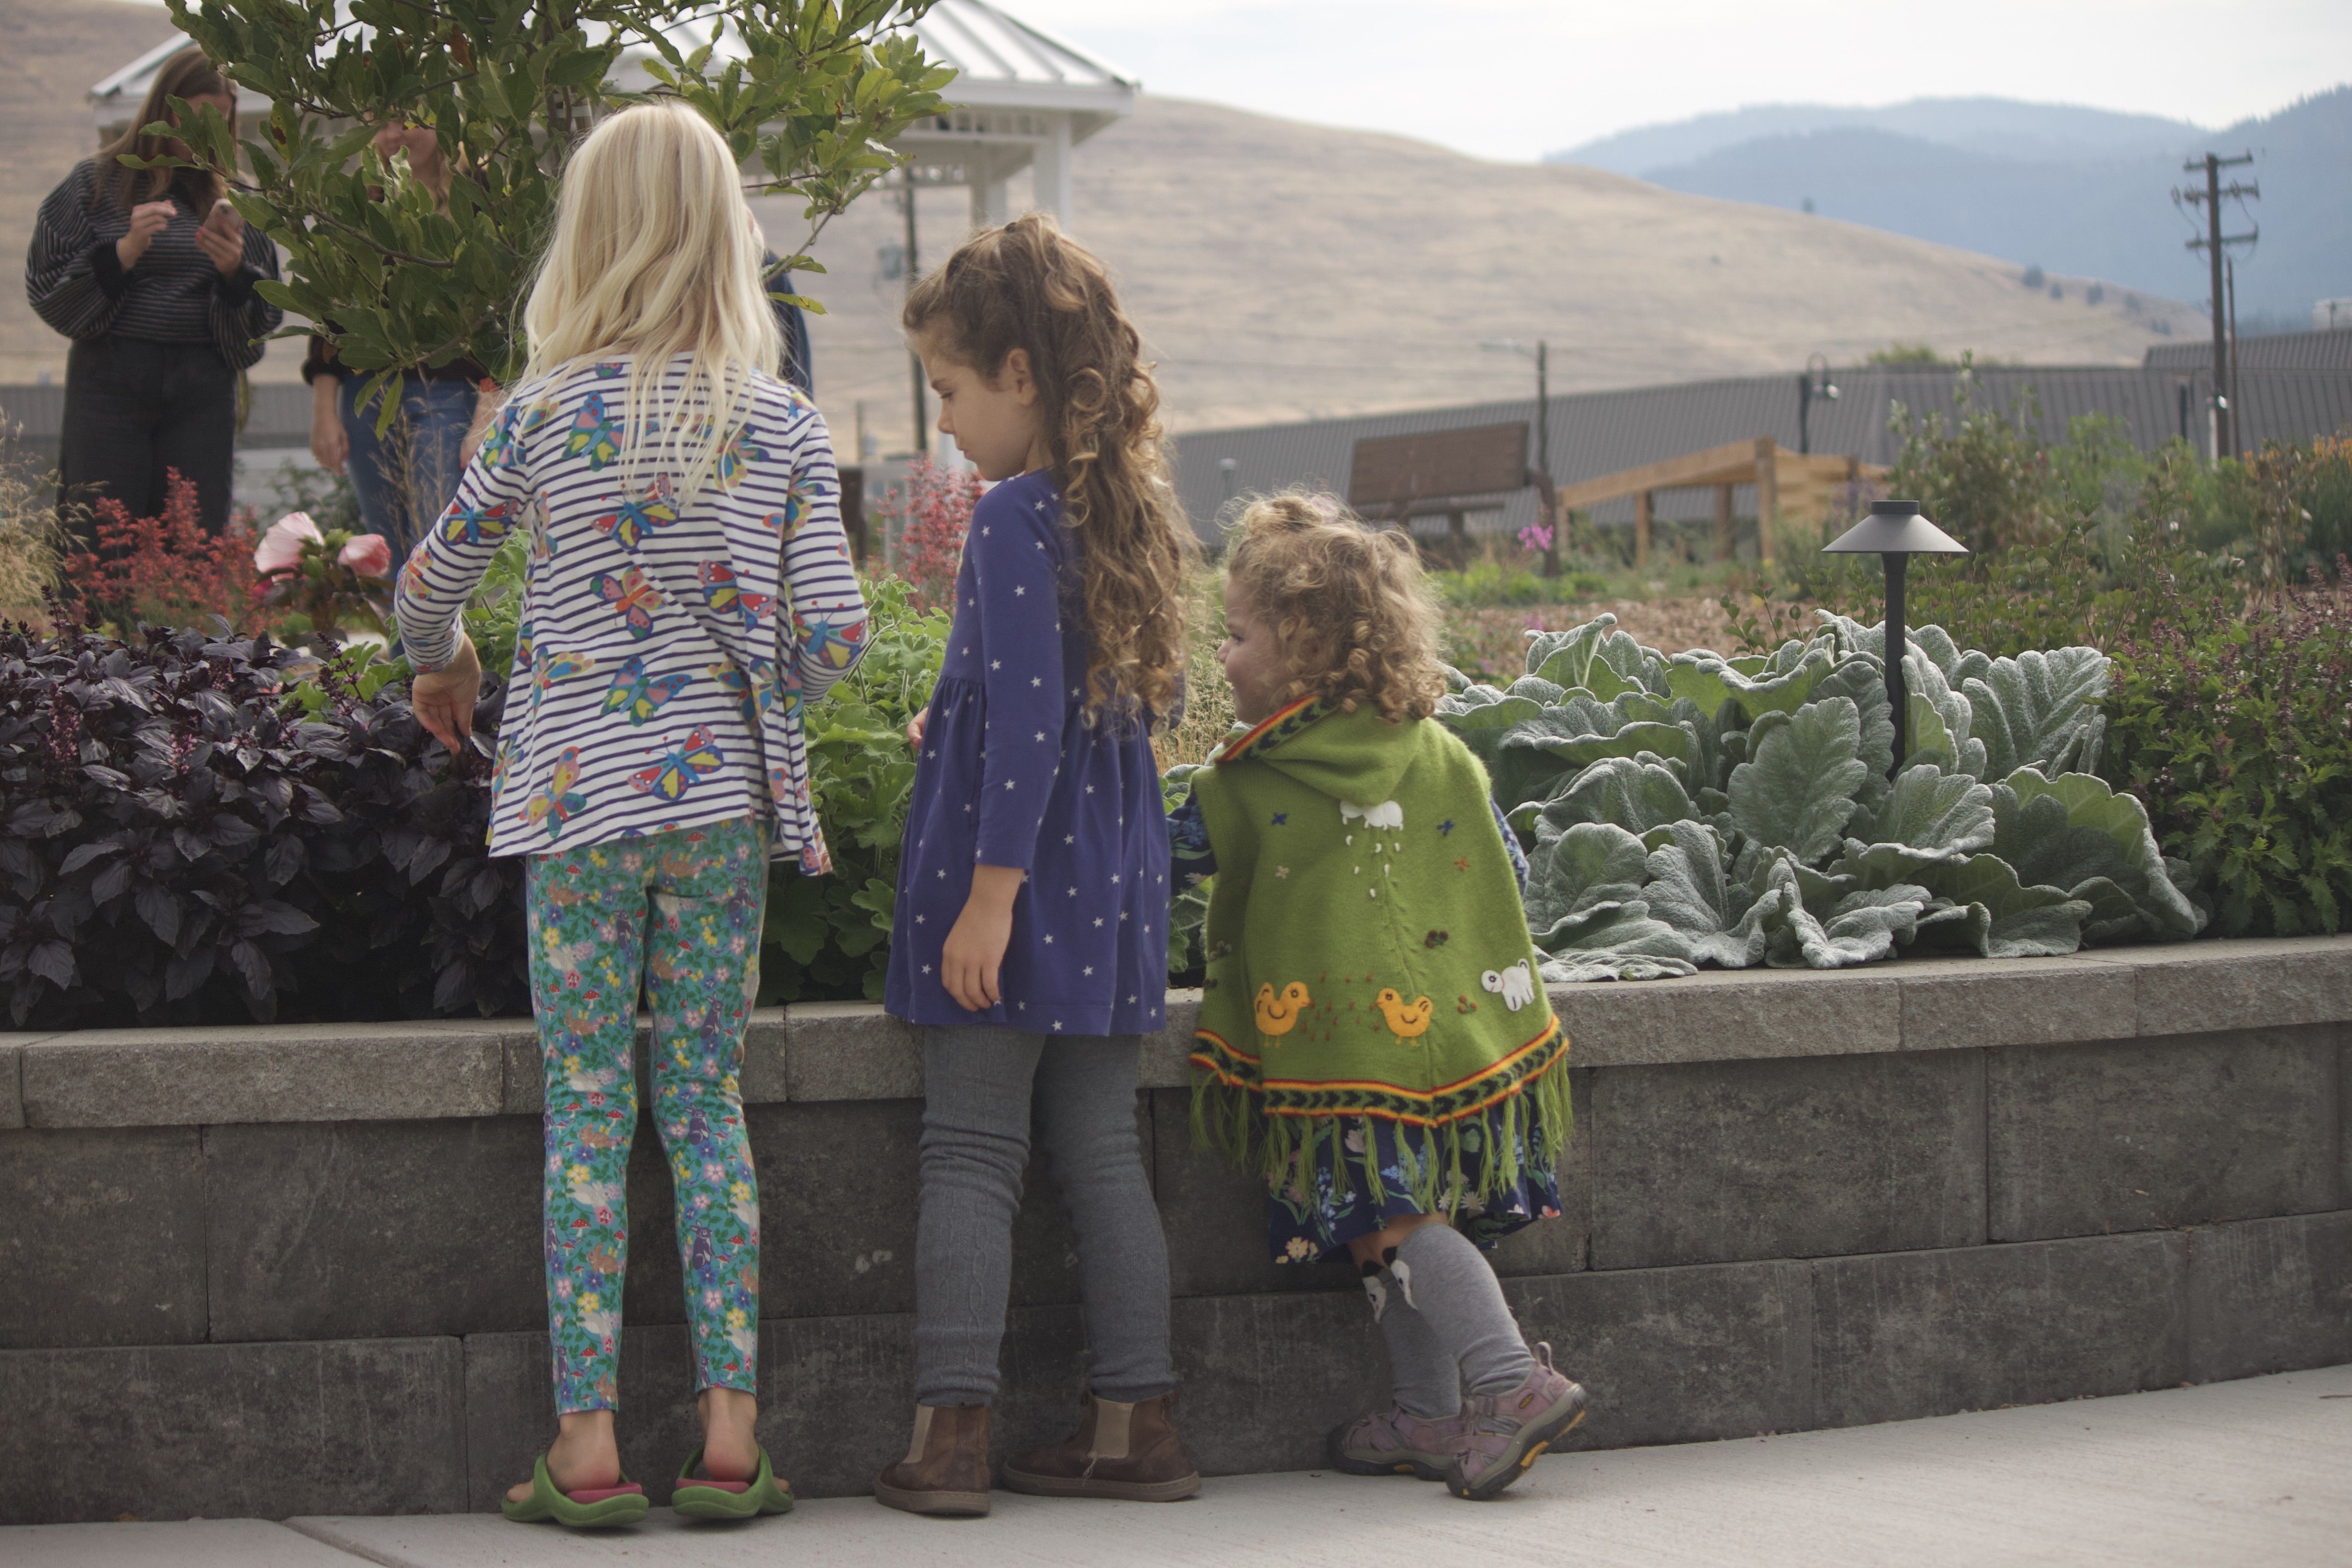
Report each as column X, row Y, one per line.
column 1894, row 531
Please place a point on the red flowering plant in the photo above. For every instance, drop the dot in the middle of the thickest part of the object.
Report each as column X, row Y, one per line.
column 928, row 517
column 336, row 581
column 167, row 570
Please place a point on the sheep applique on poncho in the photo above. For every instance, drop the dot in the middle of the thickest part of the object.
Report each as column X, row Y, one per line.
column 1368, row 958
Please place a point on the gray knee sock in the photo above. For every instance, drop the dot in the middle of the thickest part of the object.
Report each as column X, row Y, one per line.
column 1457, row 1294
column 1427, row 1381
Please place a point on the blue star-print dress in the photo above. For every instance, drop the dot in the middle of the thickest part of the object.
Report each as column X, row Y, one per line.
column 1014, row 772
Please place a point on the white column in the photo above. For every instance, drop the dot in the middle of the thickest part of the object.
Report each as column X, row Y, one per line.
column 990, row 204
column 1053, row 167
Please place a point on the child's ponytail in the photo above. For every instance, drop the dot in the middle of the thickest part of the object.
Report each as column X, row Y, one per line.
column 1028, row 286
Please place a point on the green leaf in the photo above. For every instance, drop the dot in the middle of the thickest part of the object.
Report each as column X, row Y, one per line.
column 1860, row 928
column 1582, row 877
column 2019, row 921
column 1722, row 921
column 1632, row 794
column 1928, row 818
column 1797, row 790
column 2068, row 831
column 2040, row 711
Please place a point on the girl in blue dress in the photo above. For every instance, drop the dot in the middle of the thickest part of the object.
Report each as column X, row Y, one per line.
column 1029, row 940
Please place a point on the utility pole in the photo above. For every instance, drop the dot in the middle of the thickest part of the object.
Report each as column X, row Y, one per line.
column 2230, row 286
column 923, row 414
column 2212, row 243
column 1546, row 492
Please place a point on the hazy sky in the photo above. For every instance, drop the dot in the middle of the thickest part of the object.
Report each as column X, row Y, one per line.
column 1517, row 79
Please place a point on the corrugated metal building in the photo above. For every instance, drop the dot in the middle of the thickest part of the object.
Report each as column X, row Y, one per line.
column 2281, row 351
column 1598, row 433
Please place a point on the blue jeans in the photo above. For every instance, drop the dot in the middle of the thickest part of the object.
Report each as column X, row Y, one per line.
column 405, row 481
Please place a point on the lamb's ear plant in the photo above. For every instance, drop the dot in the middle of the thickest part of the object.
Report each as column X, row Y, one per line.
column 1735, row 811
column 809, row 93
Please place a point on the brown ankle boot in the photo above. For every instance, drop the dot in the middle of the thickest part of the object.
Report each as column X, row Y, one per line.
column 1127, row 1451
column 946, row 1468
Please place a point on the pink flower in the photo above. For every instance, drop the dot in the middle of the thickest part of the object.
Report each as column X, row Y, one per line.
column 288, row 539
column 367, row 555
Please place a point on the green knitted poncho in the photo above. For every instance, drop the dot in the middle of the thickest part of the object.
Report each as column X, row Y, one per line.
column 1368, row 957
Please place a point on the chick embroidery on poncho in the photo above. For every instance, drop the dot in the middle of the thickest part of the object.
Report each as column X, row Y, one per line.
column 1407, row 1020
column 1279, row 1015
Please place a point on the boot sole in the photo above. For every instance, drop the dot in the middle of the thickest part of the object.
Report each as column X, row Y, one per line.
column 1175, row 1490
column 1419, row 1466
column 1508, row 1467
column 939, row 1505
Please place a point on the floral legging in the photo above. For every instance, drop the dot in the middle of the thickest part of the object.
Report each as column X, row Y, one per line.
column 679, row 912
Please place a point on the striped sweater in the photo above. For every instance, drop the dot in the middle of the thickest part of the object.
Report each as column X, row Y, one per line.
column 647, row 690
column 174, row 294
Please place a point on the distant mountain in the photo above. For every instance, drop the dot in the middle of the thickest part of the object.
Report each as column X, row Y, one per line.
column 2075, row 191
column 2002, row 127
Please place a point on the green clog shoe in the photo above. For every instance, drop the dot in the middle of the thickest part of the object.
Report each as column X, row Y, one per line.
column 589, row 1508
column 706, row 1498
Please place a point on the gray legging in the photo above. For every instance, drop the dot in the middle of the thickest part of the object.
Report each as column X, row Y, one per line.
column 977, row 1086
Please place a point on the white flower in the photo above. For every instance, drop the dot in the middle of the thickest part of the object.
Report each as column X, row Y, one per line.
column 282, row 548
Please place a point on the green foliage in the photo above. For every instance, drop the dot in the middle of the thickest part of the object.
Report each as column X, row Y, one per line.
column 1486, row 583
column 827, row 936
column 1704, row 810
column 810, row 93
column 2239, row 735
column 1904, row 353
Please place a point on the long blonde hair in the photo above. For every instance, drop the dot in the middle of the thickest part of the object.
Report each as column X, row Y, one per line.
column 187, row 75
column 1028, row 286
column 655, row 254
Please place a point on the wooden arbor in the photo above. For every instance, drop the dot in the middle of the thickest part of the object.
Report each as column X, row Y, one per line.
column 1438, row 473
column 1789, row 487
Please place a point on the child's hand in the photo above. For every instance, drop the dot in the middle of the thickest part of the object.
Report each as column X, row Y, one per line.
column 915, row 726
column 443, row 701
column 975, row 948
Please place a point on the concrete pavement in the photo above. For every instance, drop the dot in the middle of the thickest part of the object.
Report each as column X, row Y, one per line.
column 2253, row 1472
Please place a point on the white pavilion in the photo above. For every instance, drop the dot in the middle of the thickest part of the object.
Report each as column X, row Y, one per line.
column 1023, row 99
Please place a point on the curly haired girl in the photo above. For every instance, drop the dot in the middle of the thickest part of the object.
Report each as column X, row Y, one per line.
column 1029, row 938
column 1372, row 1040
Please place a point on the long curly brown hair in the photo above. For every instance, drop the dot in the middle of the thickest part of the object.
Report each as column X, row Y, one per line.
column 1028, row 286
column 185, row 75
column 1348, row 605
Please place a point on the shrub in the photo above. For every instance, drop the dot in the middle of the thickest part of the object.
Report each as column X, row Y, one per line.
column 2239, row 734
column 830, row 934
column 186, row 842
column 167, row 570
column 929, row 517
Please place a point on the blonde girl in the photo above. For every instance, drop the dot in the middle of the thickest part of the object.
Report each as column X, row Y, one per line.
column 1373, row 1042
column 1030, row 938
column 689, row 589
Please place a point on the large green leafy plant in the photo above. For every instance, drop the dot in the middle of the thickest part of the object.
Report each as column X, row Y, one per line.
column 829, row 936
column 1736, row 812
column 809, row 93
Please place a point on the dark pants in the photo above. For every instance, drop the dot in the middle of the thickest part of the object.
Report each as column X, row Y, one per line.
column 135, row 411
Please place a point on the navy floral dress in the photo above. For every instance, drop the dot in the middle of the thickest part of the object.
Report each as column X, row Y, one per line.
column 1015, row 772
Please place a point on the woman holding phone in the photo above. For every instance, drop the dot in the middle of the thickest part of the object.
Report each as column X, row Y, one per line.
column 151, row 272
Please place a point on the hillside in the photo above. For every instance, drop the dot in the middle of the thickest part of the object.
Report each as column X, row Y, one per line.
column 1999, row 127
column 1285, row 272
column 2076, row 190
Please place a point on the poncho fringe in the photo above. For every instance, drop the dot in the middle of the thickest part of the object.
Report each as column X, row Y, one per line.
column 1229, row 1114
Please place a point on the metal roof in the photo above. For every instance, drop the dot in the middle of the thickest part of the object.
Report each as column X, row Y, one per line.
column 2281, row 351
column 1598, row 433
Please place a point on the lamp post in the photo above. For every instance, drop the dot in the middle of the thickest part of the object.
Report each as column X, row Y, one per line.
column 1808, row 388
column 1545, row 491
column 1895, row 532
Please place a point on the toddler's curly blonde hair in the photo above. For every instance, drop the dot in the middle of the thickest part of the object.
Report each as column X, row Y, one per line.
column 1348, row 605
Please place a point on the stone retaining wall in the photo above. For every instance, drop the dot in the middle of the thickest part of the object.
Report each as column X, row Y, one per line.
column 270, row 1271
